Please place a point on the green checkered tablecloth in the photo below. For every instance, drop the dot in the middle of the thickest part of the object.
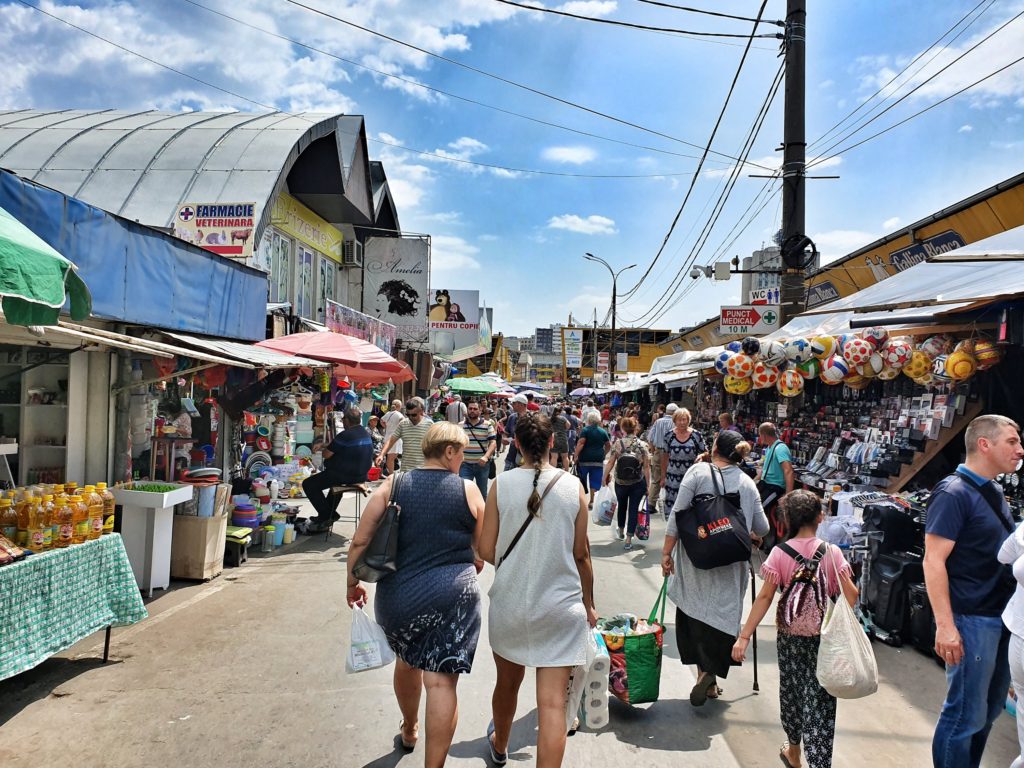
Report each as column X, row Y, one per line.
column 49, row 602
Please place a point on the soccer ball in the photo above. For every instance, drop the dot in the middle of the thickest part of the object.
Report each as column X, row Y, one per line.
column 888, row 373
column 737, row 386
column 896, row 353
column 764, row 375
column 960, row 366
column 857, row 351
column 790, row 384
column 856, row 381
column 933, row 346
column 734, row 346
column 751, row 346
column 967, row 345
column 809, row 369
column 798, row 350
column 721, row 360
column 823, row 347
column 773, row 353
column 926, row 381
column 877, row 336
column 872, row 367
column 939, row 368
column 918, row 365
column 740, row 366
column 987, row 354
column 834, row 370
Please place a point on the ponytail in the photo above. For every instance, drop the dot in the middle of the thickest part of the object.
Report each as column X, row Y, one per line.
column 533, row 503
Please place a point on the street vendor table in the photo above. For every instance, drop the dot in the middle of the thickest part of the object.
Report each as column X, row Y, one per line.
column 50, row 601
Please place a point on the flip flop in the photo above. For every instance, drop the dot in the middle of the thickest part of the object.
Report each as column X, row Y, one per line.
column 699, row 693
column 406, row 746
column 785, row 759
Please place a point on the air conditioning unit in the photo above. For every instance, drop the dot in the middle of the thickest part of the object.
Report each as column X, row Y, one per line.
column 351, row 253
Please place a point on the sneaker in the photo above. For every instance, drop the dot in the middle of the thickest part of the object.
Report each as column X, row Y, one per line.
column 497, row 758
column 628, row 546
column 620, row 534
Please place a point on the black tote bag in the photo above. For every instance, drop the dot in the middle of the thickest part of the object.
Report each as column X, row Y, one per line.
column 380, row 558
column 713, row 530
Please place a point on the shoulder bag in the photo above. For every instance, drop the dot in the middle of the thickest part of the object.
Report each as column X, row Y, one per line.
column 714, row 529
column 380, row 558
column 529, row 519
column 492, row 470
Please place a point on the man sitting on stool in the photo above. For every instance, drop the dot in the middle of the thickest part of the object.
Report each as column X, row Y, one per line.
column 347, row 460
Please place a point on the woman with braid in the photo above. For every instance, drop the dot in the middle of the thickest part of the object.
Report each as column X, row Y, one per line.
column 542, row 599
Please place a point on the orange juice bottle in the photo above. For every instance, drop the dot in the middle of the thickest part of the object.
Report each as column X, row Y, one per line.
column 108, row 507
column 48, row 521
column 94, row 504
column 8, row 520
column 21, row 508
column 71, row 489
column 36, row 534
column 79, row 518
column 63, row 516
column 58, row 492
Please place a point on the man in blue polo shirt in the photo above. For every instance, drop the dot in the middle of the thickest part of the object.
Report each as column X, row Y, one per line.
column 347, row 461
column 968, row 588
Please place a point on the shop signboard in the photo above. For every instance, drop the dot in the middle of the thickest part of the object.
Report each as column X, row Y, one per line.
column 760, row 296
column 454, row 310
column 572, row 343
column 295, row 219
column 602, row 361
column 395, row 284
column 621, row 361
column 748, row 319
column 342, row 319
column 224, row 228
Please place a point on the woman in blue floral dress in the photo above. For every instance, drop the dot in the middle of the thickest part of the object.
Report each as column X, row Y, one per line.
column 680, row 450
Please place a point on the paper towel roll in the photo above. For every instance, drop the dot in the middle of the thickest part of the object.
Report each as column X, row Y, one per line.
column 601, row 666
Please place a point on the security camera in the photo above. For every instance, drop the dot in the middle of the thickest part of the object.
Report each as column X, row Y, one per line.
column 695, row 273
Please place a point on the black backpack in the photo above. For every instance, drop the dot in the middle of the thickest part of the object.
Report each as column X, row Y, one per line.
column 629, row 467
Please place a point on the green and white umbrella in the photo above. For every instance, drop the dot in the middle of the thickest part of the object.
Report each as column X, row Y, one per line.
column 471, row 386
column 35, row 280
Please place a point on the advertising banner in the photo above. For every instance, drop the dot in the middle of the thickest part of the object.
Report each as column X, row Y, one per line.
column 395, row 284
column 572, row 343
column 342, row 319
column 454, row 310
column 224, row 228
column 292, row 217
column 747, row 319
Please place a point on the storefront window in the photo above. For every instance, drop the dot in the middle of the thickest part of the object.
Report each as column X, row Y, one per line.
column 281, row 268
column 304, row 284
column 326, row 277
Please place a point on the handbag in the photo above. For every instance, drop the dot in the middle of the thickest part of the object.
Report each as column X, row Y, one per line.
column 714, row 529
column 846, row 666
column 380, row 558
column 529, row 519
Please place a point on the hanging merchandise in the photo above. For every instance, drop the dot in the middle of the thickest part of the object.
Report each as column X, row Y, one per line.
column 809, row 369
column 961, row 365
column 940, row 344
column 773, row 353
column 734, row 346
column 751, row 346
column 876, row 336
column 856, row 351
column 740, row 366
column 737, row 386
column 897, row 352
column 888, row 373
column 872, row 366
column 722, row 361
column 834, row 370
column 790, row 383
column 918, row 365
column 987, row 354
column 823, row 347
column 799, row 350
column 856, row 381
column 764, row 375
column 939, row 369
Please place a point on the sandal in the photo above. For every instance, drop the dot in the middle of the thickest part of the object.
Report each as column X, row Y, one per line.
column 406, row 745
column 702, row 688
column 784, row 757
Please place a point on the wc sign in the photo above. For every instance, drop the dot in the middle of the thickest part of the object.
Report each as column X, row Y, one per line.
column 764, row 296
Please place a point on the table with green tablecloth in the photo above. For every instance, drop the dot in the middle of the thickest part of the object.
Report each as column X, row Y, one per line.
column 50, row 601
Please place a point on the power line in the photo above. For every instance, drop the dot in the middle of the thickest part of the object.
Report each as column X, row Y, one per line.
column 710, row 13
column 629, row 24
column 700, row 164
column 506, row 81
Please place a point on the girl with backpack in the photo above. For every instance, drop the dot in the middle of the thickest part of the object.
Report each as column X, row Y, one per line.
column 630, row 461
column 804, row 570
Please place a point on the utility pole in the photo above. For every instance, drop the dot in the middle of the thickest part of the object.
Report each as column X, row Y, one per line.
column 794, row 159
column 615, row 279
column 593, row 376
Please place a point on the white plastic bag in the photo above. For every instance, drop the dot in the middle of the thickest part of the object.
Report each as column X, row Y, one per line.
column 370, row 648
column 604, row 506
column 846, row 664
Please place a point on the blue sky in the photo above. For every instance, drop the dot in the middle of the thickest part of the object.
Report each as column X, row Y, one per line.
column 519, row 237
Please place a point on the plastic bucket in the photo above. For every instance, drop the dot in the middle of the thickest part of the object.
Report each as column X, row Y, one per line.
column 207, row 497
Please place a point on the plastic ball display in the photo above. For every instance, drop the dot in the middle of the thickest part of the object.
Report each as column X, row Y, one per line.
column 888, row 373
column 918, row 365
column 960, row 366
column 986, row 354
column 809, row 369
column 876, row 336
column 872, row 366
column 926, row 381
column 740, row 366
column 734, row 346
column 933, row 346
column 856, row 381
column 939, row 368
column 773, row 353
column 764, row 375
column 737, row 386
column 798, row 350
column 790, row 384
column 835, row 370
column 966, row 345
column 751, row 346
column 897, row 352
column 857, row 351
column 721, row 359
column 822, row 347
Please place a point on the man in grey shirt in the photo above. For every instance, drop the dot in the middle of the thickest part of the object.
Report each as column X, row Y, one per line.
column 656, row 439
column 456, row 410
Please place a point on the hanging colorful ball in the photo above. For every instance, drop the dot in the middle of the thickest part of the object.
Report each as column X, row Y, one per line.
column 888, row 373
column 857, row 351
column 798, row 350
column 965, row 345
column 764, row 375
column 960, row 366
column 939, row 368
column 933, row 346
column 790, row 384
column 734, row 346
column 835, row 369
column 823, row 347
column 809, row 369
column 773, row 353
column 751, row 346
column 740, row 366
column 721, row 359
column 872, row 366
column 856, row 381
column 877, row 336
column 987, row 354
column 918, row 365
column 926, row 381
column 737, row 386
column 897, row 352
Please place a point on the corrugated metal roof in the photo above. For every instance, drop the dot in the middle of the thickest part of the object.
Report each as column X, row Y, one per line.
column 259, row 356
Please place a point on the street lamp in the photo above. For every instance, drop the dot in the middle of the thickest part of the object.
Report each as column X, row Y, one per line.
column 615, row 277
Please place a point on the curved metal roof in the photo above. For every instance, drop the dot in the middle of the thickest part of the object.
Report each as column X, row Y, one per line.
column 144, row 164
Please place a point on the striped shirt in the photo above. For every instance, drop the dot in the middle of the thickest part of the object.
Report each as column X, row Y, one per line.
column 479, row 435
column 412, row 436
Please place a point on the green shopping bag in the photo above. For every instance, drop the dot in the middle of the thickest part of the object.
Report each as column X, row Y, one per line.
column 635, row 675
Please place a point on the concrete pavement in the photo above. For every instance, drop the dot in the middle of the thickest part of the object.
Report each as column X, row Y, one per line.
column 248, row 670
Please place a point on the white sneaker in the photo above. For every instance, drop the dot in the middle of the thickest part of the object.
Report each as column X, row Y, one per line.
column 620, row 534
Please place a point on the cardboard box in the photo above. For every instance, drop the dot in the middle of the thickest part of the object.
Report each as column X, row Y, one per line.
column 197, row 547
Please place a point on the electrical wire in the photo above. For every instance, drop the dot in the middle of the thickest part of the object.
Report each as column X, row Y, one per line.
column 506, row 81
column 432, row 89
column 710, row 13
column 700, row 164
column 628, row 24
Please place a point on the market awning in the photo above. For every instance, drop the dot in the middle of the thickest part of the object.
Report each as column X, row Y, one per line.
column 134, row 344
column 251, row 354
column 836, row 323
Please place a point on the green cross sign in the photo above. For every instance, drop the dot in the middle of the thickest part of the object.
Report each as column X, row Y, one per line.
column 769, row 317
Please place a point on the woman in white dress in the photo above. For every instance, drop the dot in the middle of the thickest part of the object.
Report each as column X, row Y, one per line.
column 542, row 599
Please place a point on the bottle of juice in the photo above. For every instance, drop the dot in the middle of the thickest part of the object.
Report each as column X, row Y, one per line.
column 36, row 534
column 93, row 503
column 8, row 520
column 65, row 524
column 58, row 492
column 48, row 521
column 21, row 508
column 79, row 518
column 71, row 489
column 108, row 507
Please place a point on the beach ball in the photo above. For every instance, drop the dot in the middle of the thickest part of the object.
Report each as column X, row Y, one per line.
column 751, row 346
column 773, row 353
column 834, row 370
column 933, row 346
column 857, row 351
column 872, row 366
column 918, row 365
column 876, row 336
column 734, row 346
column 986, row 354
column 888, row 373
column 809, row 369
column 939, row 368
column 740, row 366
column 961, row 366
column 790, row 384
column 966, row 345
column 823, row 347
column 798, row 350
column 764, row 375
column 737, row 386
column 897, row 352
column 721, row 359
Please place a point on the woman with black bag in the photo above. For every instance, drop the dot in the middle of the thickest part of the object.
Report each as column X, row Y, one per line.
column 709, row 601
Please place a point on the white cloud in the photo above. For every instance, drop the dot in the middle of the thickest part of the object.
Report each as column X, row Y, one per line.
column 591, row 225
column 839, row 242
column 757, row 165
column 452, row 254
column 965, row 129
column 890, row 224
column 488, row 238
column 570, row 155
column 593, row 8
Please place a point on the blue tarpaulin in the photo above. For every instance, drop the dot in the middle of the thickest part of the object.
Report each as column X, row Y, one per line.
column 140, row 275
